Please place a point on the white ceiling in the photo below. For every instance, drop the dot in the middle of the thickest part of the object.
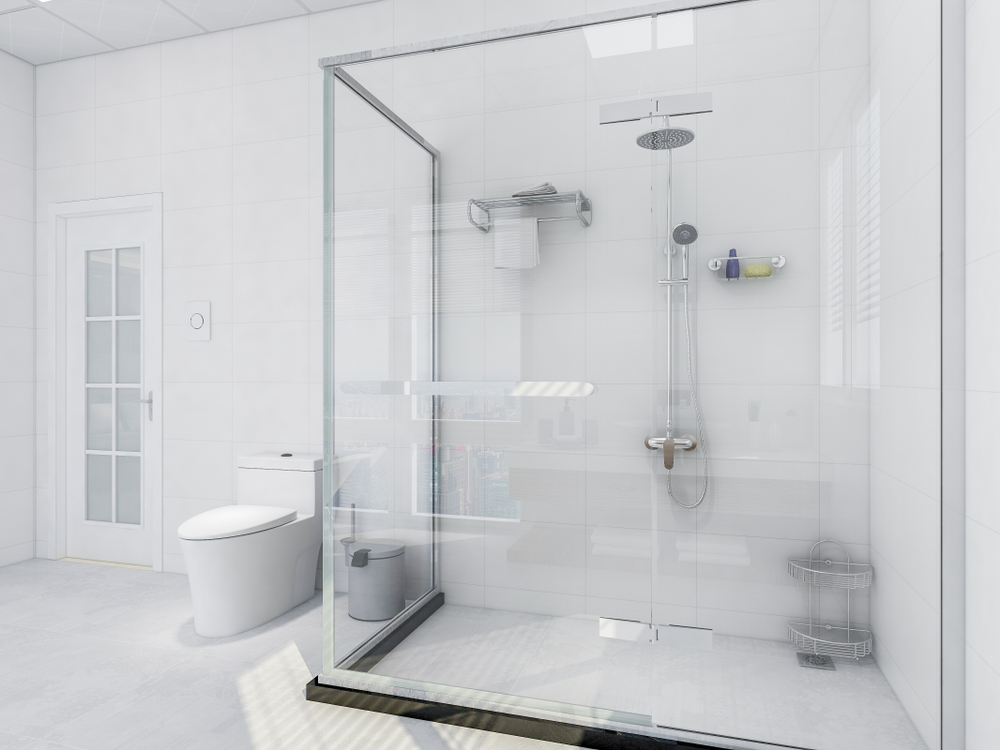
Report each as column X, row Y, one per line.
column 43, row 32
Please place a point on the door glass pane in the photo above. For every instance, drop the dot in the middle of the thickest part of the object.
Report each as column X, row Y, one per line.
column 129, row 278
column 129, row 489
column 99, row 352
column 129, row 421
column 98, row 488
column 99, row 419
column 128, row 351
column 98, row 283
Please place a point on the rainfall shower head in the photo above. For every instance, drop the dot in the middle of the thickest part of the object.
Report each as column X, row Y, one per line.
column 664, row 139
column 685, row 234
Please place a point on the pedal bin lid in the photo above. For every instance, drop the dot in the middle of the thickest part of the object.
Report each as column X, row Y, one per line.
column 381, row 549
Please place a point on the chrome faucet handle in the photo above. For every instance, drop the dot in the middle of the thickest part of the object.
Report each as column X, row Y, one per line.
column 669, row 446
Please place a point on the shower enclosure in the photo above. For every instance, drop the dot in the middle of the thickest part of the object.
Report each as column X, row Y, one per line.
column 511, row 368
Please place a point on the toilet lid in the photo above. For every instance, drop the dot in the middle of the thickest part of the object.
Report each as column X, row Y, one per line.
column 234, row 520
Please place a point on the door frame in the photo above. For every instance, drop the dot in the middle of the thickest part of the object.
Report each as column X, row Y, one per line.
column 55, row 503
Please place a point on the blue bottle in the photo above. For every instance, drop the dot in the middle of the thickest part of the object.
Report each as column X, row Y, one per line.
column 732, row 266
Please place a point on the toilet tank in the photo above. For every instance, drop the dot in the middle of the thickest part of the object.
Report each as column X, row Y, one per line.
column 287, row 480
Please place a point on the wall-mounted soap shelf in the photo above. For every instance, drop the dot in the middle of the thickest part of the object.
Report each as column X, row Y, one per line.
column 775, row 262
column 584, row 210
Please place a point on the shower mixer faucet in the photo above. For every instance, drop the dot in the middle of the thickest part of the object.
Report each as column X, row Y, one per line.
column 669, row 445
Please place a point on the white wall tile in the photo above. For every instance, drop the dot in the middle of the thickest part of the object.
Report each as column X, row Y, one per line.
column 197, row 411
column 128, row 130
column 19, row 241
column 65, row 139
column 16, row 464
column 197, row 63
column 15, row 191
column 16, row 369
column 270, row 171
column 271, row 412
column 197, row 120
column 198, row 469
column 436, row 19
column 18, row 403
column 17, row 510
column 195, row 179
column 195, row 283
column 271, row 110
column 128, row 176
column 128, row 75
column 17, row 308
column 56, row 185
column 197, row 361
column 350, row 29
column 271, row 352
column 66, row 86
column 274, row 50
column 275, row 291
column 198, row 236
column 274, row 229
column 19, row 84
column 17, row 144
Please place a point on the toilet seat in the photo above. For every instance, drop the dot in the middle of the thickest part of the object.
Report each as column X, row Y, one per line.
column 234, row 520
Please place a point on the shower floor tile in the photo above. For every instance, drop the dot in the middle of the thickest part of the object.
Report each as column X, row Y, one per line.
column 743, row 687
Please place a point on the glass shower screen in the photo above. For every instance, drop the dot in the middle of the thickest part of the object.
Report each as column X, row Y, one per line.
column 380, row 343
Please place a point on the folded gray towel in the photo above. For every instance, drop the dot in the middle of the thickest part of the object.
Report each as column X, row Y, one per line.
column 543, row 188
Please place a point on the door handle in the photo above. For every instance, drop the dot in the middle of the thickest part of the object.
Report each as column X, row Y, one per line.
column 150, row 402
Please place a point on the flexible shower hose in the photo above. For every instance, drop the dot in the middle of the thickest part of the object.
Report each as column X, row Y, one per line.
column 697, row 415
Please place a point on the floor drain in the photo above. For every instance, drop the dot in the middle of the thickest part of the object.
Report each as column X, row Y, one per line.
column 815, row 661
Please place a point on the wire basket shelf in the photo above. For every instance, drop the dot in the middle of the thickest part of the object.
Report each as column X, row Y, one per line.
column 829, row 640
column 584, row 210
column 815, row 636
column 831, row 574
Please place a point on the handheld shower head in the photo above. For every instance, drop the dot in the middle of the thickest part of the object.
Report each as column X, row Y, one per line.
column 685, row 234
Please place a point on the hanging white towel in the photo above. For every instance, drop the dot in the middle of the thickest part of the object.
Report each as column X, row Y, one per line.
column 515, row 241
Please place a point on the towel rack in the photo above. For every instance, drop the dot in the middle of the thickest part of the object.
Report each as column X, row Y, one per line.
column 488, row 204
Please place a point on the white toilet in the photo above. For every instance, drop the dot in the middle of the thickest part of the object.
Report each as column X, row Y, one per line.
column 251, row 562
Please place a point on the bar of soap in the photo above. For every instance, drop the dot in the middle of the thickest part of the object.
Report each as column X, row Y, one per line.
column 757, row 271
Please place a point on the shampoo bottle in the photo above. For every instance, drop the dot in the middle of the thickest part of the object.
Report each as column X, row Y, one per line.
column 732, row 266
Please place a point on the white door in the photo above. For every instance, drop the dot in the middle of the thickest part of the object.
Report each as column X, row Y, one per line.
column 113, row 340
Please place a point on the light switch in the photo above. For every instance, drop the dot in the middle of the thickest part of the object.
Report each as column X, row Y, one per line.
column 199, row 321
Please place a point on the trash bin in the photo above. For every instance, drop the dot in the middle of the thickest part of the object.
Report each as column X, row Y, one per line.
column 375, row 578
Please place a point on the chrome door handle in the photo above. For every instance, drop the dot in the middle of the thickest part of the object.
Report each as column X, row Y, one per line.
column 150, row 402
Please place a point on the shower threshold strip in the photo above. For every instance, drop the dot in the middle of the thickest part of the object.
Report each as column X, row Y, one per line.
column 576, row 726
column 490, row 721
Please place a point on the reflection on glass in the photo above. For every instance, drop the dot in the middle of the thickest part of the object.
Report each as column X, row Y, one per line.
column 98, row 488
column 98, row 283
column 129, row 500
column 99, row 352
column 128, row 351
column 129, row 422
column 129, row 282
column 621, row 38
column 99, row 419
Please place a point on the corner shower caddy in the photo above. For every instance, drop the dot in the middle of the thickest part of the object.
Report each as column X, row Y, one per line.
column 486, row 205
column 814, row 636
